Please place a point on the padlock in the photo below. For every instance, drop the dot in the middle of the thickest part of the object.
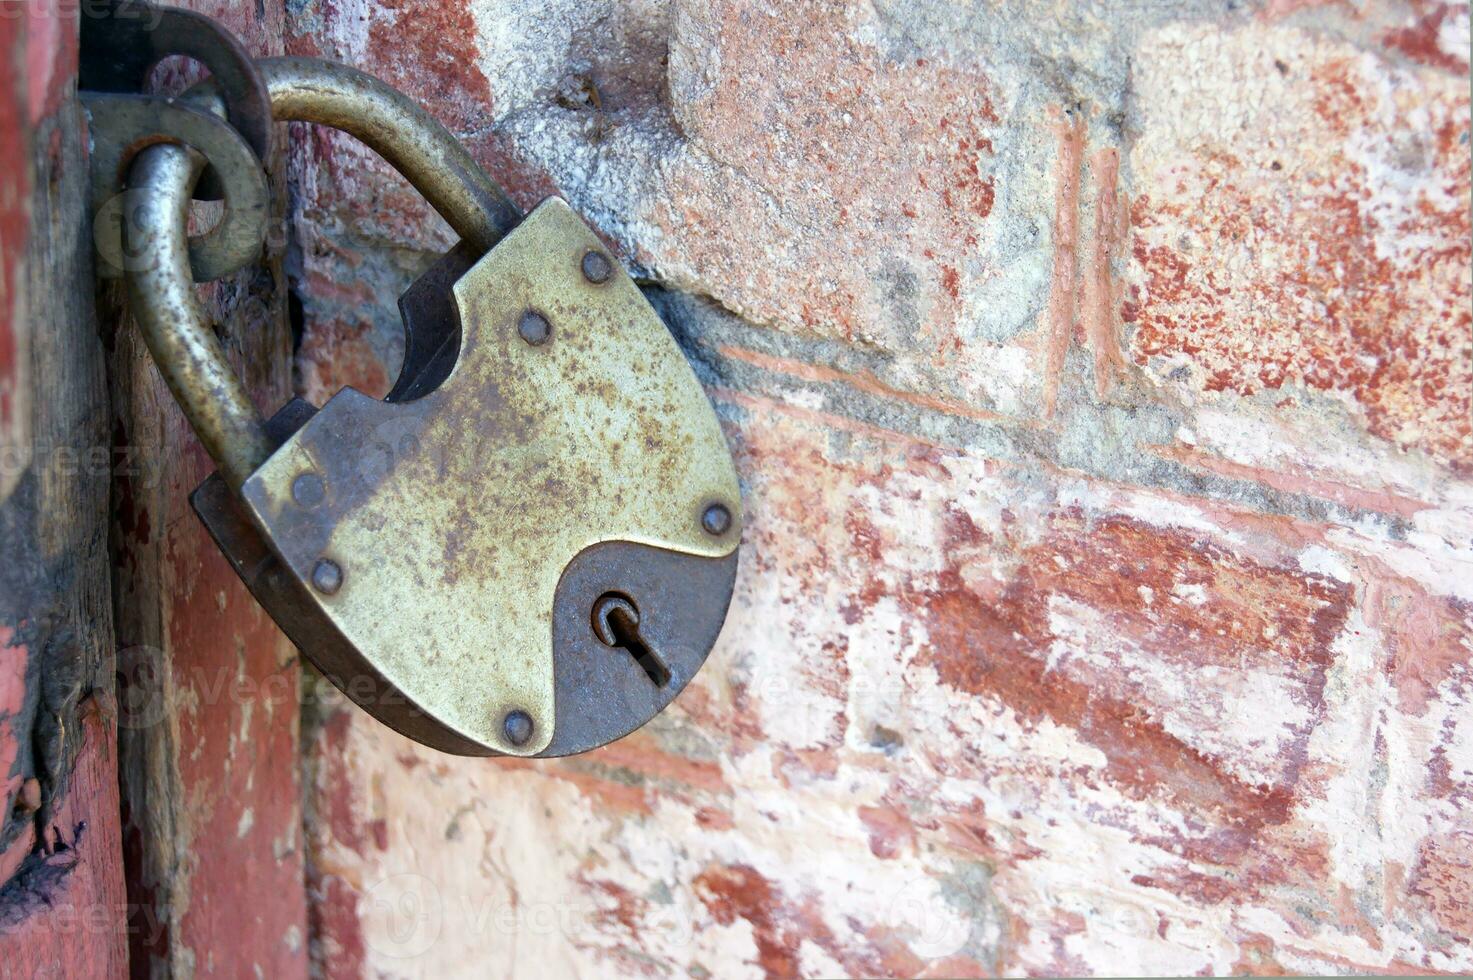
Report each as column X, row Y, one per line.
column 529, row 547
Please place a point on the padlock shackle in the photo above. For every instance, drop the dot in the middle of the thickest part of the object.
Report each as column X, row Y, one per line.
column 161, row 182
column 174, row 326
column 395, row 127
column 400, row 130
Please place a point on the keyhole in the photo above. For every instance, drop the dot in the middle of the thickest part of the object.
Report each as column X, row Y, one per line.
column 616, row 624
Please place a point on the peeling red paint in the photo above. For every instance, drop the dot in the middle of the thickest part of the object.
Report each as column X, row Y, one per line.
column 12, row 680
column 241, row 675
column 739, row 891
column 890, row 830
column 1443, row 877
column 1420, row 40
column 1290, row 281
column 335, row 923
column 73, row 924
column 51, row 56
column 997, row 645
column 14, row 658
column 1428, row 640
column 335, row 792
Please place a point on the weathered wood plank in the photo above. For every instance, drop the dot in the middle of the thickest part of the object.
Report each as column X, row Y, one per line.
column 61, row 882
column 208, row 728
column 63, row 914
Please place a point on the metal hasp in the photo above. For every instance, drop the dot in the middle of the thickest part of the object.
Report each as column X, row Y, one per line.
column 529, row 547
column 121, row 42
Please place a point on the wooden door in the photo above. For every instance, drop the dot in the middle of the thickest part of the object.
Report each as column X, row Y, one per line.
column 62, row 902
column 148, row 708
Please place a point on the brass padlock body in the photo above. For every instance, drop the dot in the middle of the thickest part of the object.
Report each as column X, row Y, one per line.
column 439, row 558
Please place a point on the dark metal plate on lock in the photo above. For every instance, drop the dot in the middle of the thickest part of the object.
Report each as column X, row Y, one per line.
column 606, row 691
column 530, row 547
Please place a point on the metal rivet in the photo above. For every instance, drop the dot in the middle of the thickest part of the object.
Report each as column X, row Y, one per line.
column 534, row 328
column 308, row 490
column 327, row 577
column 596, row 267
column 716, row 519
column 517, row 726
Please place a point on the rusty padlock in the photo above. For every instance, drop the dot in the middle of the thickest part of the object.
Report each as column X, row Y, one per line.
column 529, row 546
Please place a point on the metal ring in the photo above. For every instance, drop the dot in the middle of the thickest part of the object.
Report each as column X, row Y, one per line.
column 121, row 126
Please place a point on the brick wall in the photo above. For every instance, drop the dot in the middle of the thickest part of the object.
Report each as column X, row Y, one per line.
column 1099, row 377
